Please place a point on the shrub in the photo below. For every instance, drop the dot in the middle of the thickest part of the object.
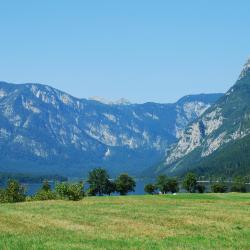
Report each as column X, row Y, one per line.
column 75, row 191
column 62, row 189
column 71, row 191
column 150, row 188
column 43, row 195
column 46, row 186
column 219, row 187
column 14, row 192
column 90, row 192
column 124, row 184
column 3, row 197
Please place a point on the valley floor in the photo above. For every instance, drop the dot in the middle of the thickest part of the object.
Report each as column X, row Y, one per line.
column 184, row 221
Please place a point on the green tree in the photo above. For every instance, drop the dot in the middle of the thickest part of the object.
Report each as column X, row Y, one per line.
column 166, row 184
column 200, row 188
column 173, row 185
column 46, row 186
column 45, row 193
column 150, row 188
column 14, row 191
column 219, row 187
column 124, row 184
column 162, row 183
column 110, row 187
column 190, row 182
column 98, row 180
column 238, row 185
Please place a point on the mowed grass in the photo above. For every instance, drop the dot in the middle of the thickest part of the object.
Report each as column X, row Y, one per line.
column 184, row 221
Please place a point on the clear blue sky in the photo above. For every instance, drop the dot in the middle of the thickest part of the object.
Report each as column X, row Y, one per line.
column 138, row 49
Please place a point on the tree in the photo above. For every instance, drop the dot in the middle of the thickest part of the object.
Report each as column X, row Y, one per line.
column 200, row 188
column 238, row 185
column 98, row 180
column 124, row 184
column 110, row 187
column 45, row 193
column 46, row 186
column 172, row 185
column 14, row 192
column 150, row 188
column 161, row 183
column 219, row 187
column 190, row 182
column 166, row 184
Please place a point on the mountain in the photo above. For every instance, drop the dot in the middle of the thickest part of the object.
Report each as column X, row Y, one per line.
column 44, row 130
column 218, row 142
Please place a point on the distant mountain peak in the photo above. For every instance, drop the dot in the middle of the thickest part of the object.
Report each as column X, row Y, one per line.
column 121, row 101
column 245, row 70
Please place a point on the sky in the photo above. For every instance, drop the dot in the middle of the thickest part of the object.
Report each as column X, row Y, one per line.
column 140, row 50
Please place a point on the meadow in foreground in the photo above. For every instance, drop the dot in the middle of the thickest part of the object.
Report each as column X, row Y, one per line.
column 184, row 221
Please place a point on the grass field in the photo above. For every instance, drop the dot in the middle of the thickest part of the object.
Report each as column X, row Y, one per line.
column 184, row 221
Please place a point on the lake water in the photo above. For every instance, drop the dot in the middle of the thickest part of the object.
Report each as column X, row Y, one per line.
column 32, row 188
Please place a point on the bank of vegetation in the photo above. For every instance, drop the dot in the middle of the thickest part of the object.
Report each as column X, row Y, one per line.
column 100, row 183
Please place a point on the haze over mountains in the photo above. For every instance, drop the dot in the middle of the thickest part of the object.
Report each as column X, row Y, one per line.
column 43, row 130
column 218, row 142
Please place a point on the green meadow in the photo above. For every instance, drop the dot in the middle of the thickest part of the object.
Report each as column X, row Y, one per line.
column 183, row 221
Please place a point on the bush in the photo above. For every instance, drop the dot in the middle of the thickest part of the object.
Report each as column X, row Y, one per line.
column 75, row 191
column 46, row 186
column 71, row 191
column 90, row 192
column 219, row 187
column 62, row 189
column 43, row 195
column 3, row 197
column 14, row 192
column 124, row 184
column 150, row 188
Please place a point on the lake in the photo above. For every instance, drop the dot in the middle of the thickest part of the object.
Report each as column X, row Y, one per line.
column 32, row 188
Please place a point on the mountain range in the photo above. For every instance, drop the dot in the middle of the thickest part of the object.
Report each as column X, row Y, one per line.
column 45, row 130
column 218, row 142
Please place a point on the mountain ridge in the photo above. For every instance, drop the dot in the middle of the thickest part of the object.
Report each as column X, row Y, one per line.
column 223, row 124
column 45, row 129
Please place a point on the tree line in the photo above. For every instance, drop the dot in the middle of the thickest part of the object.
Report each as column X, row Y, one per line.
column 100, row 184
column 165, row 184
column 98, row 179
